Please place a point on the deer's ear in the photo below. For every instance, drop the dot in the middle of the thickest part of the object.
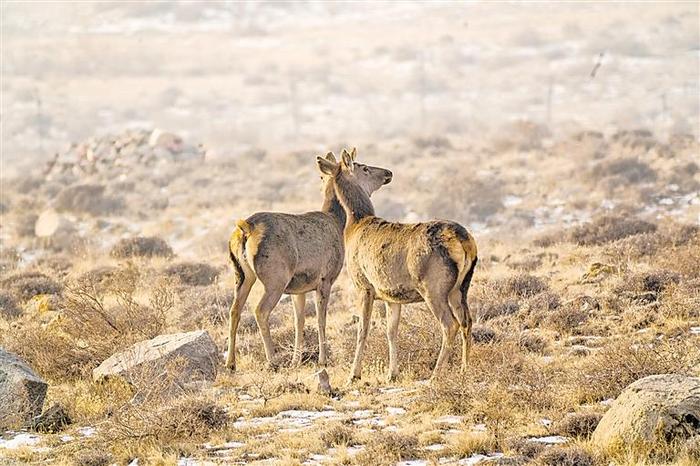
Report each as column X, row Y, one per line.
column 353, row 153
column 326, row 166
column 331, row 157
column 346, row 161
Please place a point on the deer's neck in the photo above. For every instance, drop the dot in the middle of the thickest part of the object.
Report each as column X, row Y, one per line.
column 355, row 201
column 332, row 206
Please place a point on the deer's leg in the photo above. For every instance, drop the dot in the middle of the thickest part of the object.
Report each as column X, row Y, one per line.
column 299, row 303
column 466, row 342
column 322, row 294
column 459, row 306
column 262, row 316
column 366, row 302
column 441, row 310
column 393, row 315
column 240, row 296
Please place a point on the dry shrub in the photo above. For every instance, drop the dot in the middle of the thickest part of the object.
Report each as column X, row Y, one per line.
column 193, row 273
column 8, row 306
column 93, row 325
column 521, row 286
column 434, row 142
column 25, row 223
column 566, row 456
column 473, row 443
column 88, row 199
column 26, row 285
column 206, row 306
column 141, row 246
column 337, row 434
column 533, row 342
column 612, row 368
column 579, row 425
column 507, row 296
column 568, row 318
column 492, row 310
column 629, row 170
column 482, row 334
column 387, row 448
column 92, row 457
column 523, row 447
column 152, row 413
column 608, row 228
column 503, row 385
column 283, row 338
column 691, row 449
column 416, row 356
column 681, row 301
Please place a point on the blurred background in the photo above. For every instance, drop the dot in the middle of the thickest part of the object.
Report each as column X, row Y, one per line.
column 304, row 75
column 503, row 116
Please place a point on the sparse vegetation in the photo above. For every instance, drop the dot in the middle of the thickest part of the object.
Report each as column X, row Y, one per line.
column 141, row 246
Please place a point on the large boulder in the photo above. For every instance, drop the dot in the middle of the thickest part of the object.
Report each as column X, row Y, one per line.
column 22, row 391
column 654, row 409
column 183, row 357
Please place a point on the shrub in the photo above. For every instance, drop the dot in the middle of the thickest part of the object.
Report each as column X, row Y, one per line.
column 88, row 199
column 141, row 246
column 337, row 434
column 388, row 448
column 193, row 273
column 630, row 170
column 92, row 457
column 533, row 342
column 521, row 286
column 580, row 425
column 493, row 310
column 205, row 306
column 8, row 306
column 26, row 285
column 482, row 334
column 567, row 319
column 608, row 228
column 613, row 367
column 522, row 446
column 566, row 456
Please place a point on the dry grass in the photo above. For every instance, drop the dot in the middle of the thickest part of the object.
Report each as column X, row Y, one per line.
column 141, row 246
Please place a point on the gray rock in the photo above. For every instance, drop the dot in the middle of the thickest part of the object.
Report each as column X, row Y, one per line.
column 180, row 357
column 22, row 391
column 653, row 409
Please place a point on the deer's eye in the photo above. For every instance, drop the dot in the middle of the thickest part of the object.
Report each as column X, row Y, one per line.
column 365, row 169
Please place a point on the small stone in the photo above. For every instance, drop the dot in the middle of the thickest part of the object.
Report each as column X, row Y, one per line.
column 324, row 385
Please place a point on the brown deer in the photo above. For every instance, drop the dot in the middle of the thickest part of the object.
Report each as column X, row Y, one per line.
column 403, row 263
column 292, row 254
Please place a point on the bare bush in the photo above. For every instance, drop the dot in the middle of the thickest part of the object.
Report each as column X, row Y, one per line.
column 8, row 306
column 608, row 228
column 580, row 425
column 26, row 285
column 609, row 370
column 87, row 199
column 388, row 448
column 193, row 273
column 141, row 246
column 337, row 434
column 566, row 456
column 204, row 306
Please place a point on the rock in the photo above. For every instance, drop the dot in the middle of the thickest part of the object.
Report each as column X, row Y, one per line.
column 194, row 354
column 324, row 385
column 654, row 409
column 52, row 420
column 22, row 391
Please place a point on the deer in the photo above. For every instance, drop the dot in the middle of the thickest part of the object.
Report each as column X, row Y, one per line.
column 293, row 254
column 398, row 263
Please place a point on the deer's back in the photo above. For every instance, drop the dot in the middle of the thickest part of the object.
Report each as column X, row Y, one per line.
column 397, row 259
